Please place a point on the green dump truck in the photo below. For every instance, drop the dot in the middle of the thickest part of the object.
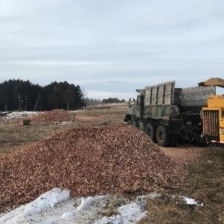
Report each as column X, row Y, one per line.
column 170, row 115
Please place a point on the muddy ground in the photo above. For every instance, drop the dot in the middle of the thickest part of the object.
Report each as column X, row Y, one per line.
column 205, row 165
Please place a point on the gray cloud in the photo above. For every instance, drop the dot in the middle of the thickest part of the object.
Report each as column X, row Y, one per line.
column 112, row 47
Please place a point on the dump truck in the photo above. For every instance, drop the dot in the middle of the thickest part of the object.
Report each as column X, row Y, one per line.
column 170, row 115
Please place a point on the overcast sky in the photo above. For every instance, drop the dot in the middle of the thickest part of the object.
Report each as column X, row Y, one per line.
column 111, row 48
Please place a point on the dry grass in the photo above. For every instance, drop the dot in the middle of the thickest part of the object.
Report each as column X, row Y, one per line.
column 111, row 207
column 13, row 134
column 205, row 183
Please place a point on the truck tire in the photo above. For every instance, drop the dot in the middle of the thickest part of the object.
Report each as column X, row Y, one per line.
column 150, row 130
column 162, row 137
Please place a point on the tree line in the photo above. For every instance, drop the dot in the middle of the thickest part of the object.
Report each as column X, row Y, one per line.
column 113, row 100
column 23, row 95
column 92, row 101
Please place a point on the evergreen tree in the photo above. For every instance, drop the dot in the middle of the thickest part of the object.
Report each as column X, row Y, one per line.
column 23, row 95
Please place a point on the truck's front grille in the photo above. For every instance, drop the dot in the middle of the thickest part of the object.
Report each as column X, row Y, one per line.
column 211, row 123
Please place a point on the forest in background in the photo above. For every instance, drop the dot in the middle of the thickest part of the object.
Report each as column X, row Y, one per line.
column 25, row 96
column 19, row 95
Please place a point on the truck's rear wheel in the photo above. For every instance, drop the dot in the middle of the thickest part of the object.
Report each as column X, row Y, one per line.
column 151, row 131
column 162, row 137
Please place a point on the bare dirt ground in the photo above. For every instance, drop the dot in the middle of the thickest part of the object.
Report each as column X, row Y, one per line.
column 205, row 166
column 185, row 153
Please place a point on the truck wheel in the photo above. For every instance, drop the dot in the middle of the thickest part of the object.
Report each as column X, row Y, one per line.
column 151, row 131
column 162, row 137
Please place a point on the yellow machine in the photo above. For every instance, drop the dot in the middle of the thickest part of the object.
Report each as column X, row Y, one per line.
column 213, row 115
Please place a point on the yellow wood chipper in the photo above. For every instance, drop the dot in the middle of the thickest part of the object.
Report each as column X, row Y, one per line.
column 213, row 115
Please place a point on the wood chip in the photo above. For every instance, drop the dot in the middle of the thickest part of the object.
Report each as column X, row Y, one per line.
column 87, row 161
column 57, row 115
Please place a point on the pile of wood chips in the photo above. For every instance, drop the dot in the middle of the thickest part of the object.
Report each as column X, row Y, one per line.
column 58, row 115
column 87, row 161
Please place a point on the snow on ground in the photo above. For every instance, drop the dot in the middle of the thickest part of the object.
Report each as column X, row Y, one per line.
column 62, row 123
column 127, row 214
column 191, row 201
column 18, row 115
column 56, row 206
column 45, row 201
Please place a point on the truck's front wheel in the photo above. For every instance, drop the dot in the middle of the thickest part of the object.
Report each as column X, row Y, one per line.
column 162, row 137
column 151, row 131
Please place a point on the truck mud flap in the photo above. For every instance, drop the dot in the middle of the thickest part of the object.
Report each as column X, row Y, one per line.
column 127, row 117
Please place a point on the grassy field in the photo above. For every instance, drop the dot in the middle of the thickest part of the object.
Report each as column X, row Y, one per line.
column 205, row 182
column 13, row 134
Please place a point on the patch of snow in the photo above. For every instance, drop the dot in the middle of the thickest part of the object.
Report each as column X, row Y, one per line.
column 85, row 204
column 152, row 195
column 67, row 215
column 191, row 201
column 56, row 206
column 49, row 199
column 20, row 114
column 78, row 111
column 66, row 122
column 130, row 213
